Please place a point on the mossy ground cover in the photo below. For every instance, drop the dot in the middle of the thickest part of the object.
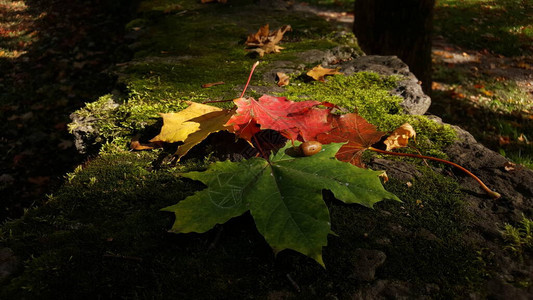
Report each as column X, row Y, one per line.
column 103, row 234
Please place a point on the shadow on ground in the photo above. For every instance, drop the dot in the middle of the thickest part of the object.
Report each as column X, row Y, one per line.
column 53, row 60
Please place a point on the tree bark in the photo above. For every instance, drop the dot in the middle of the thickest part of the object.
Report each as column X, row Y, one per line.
column 398, row 27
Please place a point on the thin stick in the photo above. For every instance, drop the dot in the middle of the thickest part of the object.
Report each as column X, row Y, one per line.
column 491, row 193
column 135, row 258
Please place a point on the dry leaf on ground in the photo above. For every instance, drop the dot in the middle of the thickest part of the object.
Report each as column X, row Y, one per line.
column 208, row 85
column 283, row 79
column 264, row 41
column 400, row 137
column 136, row 145
column 318, row 73
column 509, row 166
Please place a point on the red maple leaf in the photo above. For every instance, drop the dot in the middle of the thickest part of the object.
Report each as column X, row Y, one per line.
column 355, row 130
column 294, row 120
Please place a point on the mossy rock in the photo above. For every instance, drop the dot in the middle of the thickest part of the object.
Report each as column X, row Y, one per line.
column 102, row 235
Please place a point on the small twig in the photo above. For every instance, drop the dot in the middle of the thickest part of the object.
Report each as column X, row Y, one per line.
column 217, row 101
column 213, row 244
column 208, row 85
column 294, row 284
column 420, row 153
column 491, row 193
column 135, row 258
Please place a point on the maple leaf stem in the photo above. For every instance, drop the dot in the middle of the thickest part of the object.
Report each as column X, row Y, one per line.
column 491, row 193
column 249, row 78
column 258, row 144
column 243, row 91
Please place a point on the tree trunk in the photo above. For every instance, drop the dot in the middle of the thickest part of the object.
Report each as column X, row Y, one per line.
column 398, row 27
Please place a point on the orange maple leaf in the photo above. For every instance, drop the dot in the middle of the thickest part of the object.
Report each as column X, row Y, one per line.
column 356, row 131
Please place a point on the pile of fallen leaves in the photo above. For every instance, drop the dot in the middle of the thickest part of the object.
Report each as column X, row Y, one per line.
column 282, row 185
column 282, row 188
column 297, row 121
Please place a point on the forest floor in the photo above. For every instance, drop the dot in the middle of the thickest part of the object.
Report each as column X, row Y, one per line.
column 54, row 54
column 53, row 57
column 106, row 219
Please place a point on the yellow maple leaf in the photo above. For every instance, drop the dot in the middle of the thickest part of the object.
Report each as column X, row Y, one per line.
column 318, row 73
column 400, row 137
column 192, row 125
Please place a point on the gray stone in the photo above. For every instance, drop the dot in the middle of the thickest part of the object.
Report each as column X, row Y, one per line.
column 313, row 56
column 286, row 67
column 415, row 101
column 329, row 57
column 366, row 261
column 84, row 130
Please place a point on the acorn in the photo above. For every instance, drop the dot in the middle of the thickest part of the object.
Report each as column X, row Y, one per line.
column 310, row 148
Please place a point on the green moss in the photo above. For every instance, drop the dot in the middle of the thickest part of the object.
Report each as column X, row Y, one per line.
column 102, row 235
column 117, row 119
column 519, row 238
column 422, row 237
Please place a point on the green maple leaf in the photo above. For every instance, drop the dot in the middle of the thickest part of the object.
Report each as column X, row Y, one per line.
column 284, row 196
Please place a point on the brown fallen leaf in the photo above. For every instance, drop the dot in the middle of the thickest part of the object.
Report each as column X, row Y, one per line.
column 136, row 145
column 283, row 79
column 208, row 85
column 384, row 177
column 504, row 140
column 400, row 137
column 265, row 41
column 509, row 166
column 318, row 73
